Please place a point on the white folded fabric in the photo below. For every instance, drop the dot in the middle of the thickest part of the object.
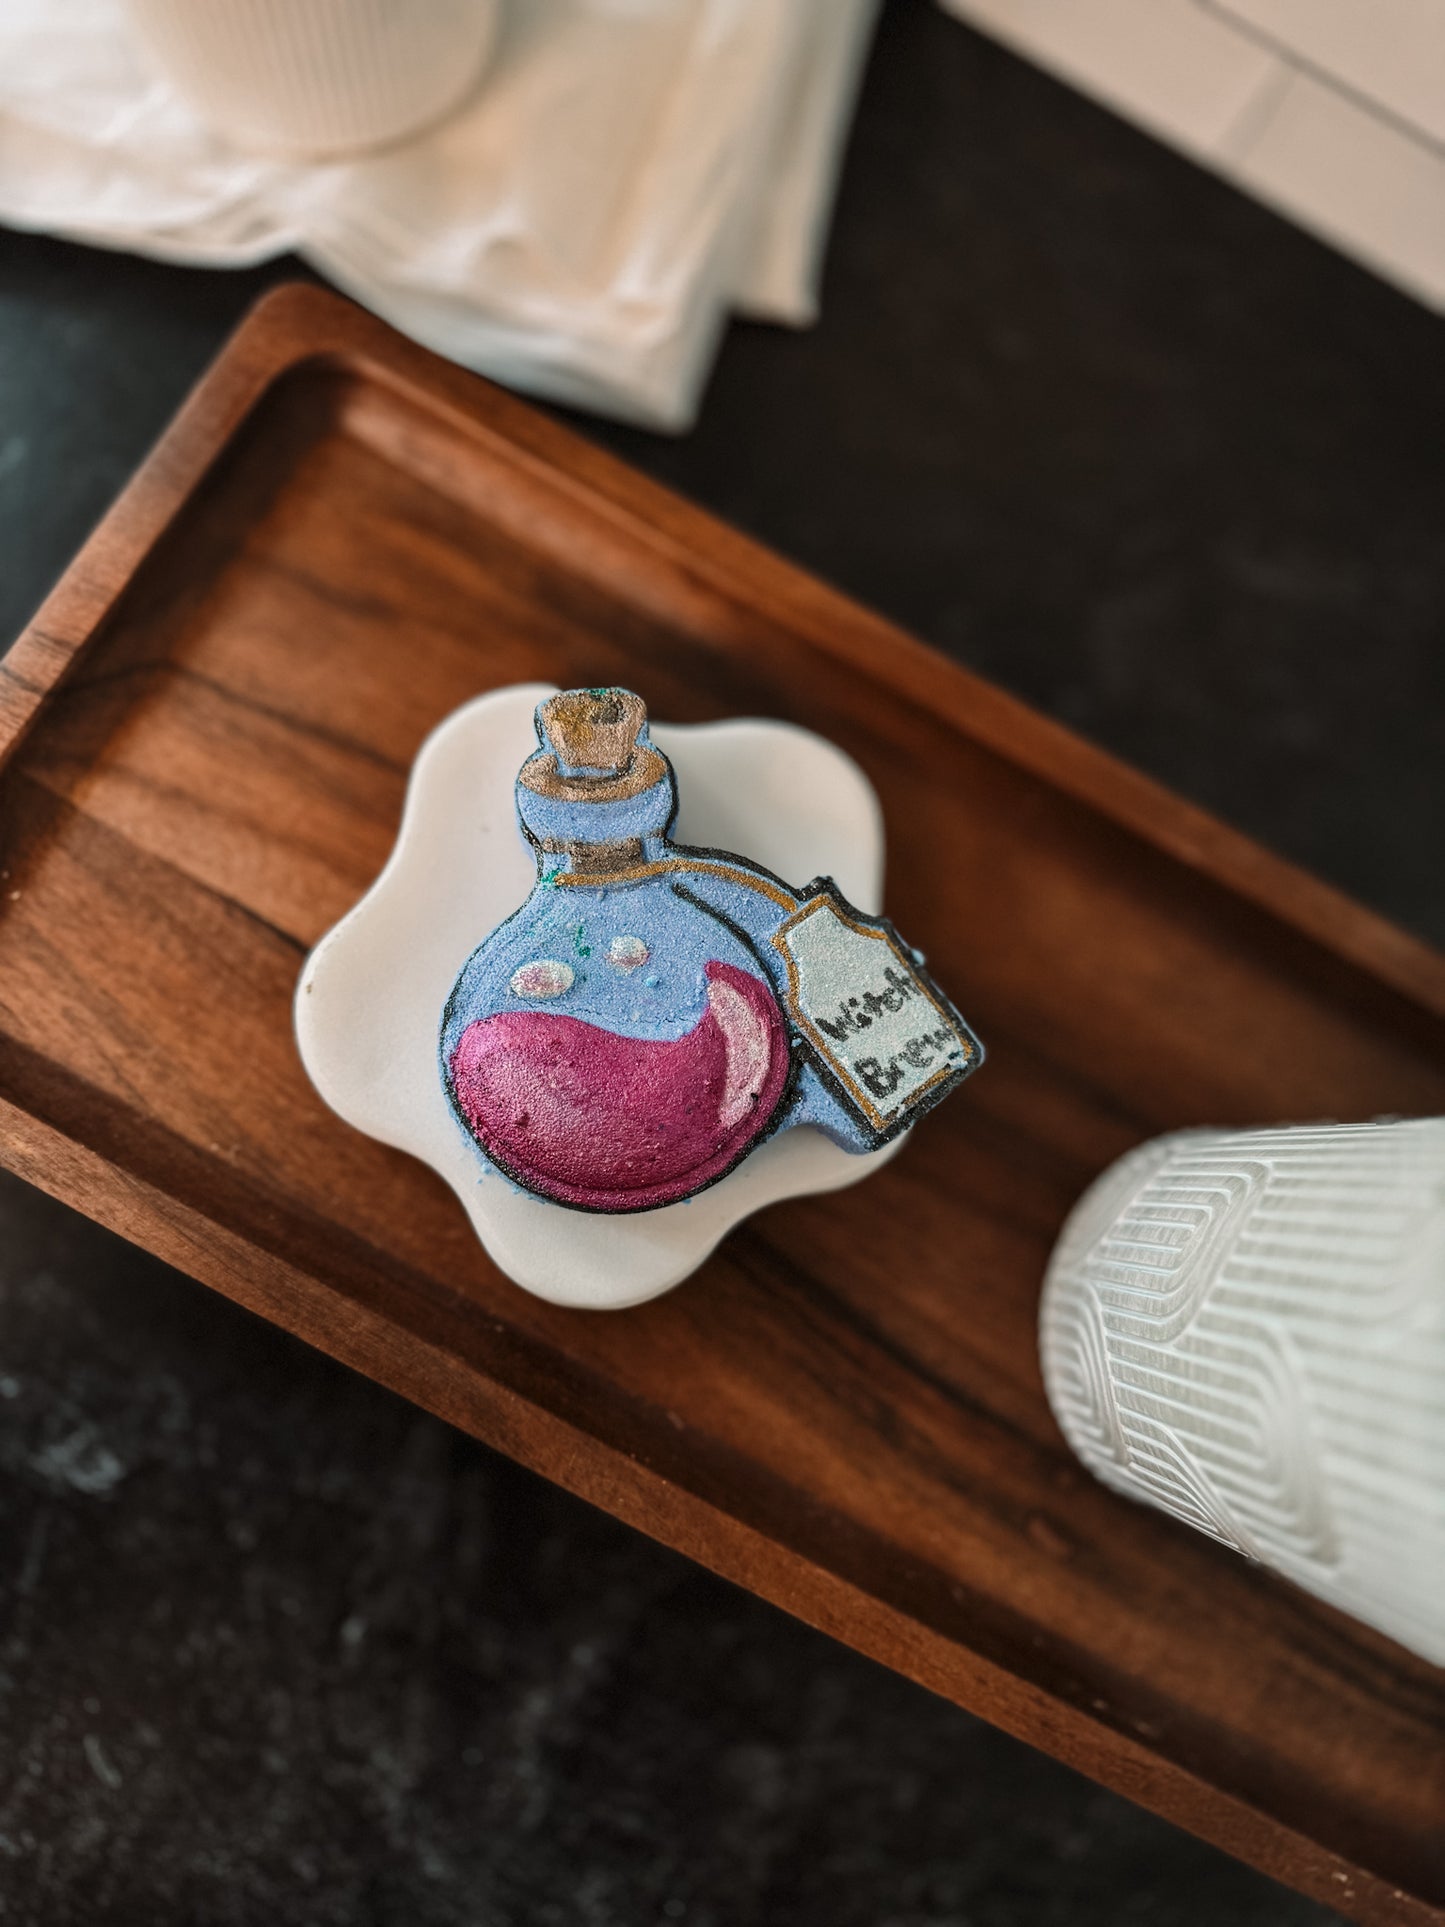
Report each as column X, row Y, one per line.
column 627, row 172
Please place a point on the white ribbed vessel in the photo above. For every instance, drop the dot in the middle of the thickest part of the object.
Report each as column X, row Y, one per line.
column 318, row 77
column 1247, row 1330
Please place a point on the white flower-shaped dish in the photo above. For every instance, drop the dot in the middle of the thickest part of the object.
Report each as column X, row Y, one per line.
column 371, row 995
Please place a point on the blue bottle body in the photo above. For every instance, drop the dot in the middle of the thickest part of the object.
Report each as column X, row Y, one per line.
column 635, row 1028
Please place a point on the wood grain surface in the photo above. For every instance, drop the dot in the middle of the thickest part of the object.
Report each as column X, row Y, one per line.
column 204, row 745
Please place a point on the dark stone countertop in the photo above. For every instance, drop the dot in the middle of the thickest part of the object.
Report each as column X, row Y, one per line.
column 274, row 1646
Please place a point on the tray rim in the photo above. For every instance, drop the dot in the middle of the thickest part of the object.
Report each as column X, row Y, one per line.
column 297, row 326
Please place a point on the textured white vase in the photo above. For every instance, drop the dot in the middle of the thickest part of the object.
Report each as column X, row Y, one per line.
column 1247, row 1330
column 318, row 77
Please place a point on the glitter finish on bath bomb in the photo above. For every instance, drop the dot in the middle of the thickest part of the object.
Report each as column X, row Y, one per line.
column 633, row 1031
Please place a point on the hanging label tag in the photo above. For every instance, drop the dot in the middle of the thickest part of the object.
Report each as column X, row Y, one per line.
column 892, row 1042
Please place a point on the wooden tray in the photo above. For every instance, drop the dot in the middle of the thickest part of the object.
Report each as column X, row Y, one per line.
column 204, row 741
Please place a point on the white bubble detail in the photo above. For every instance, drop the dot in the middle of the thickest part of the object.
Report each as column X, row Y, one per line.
column 628, row 953
column 547, row 977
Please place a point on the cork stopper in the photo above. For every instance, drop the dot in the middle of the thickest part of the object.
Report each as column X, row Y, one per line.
column 593, row 732
column 593, row 750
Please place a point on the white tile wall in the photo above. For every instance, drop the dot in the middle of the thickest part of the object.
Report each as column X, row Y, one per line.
column 1332, row 111
column 1335, row 167
column 1391, row 52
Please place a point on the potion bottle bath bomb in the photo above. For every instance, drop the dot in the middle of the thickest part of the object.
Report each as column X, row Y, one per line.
column 652, row 1012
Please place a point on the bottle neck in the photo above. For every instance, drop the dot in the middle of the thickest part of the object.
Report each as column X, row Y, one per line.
column 595, row 839
column 590, row 859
